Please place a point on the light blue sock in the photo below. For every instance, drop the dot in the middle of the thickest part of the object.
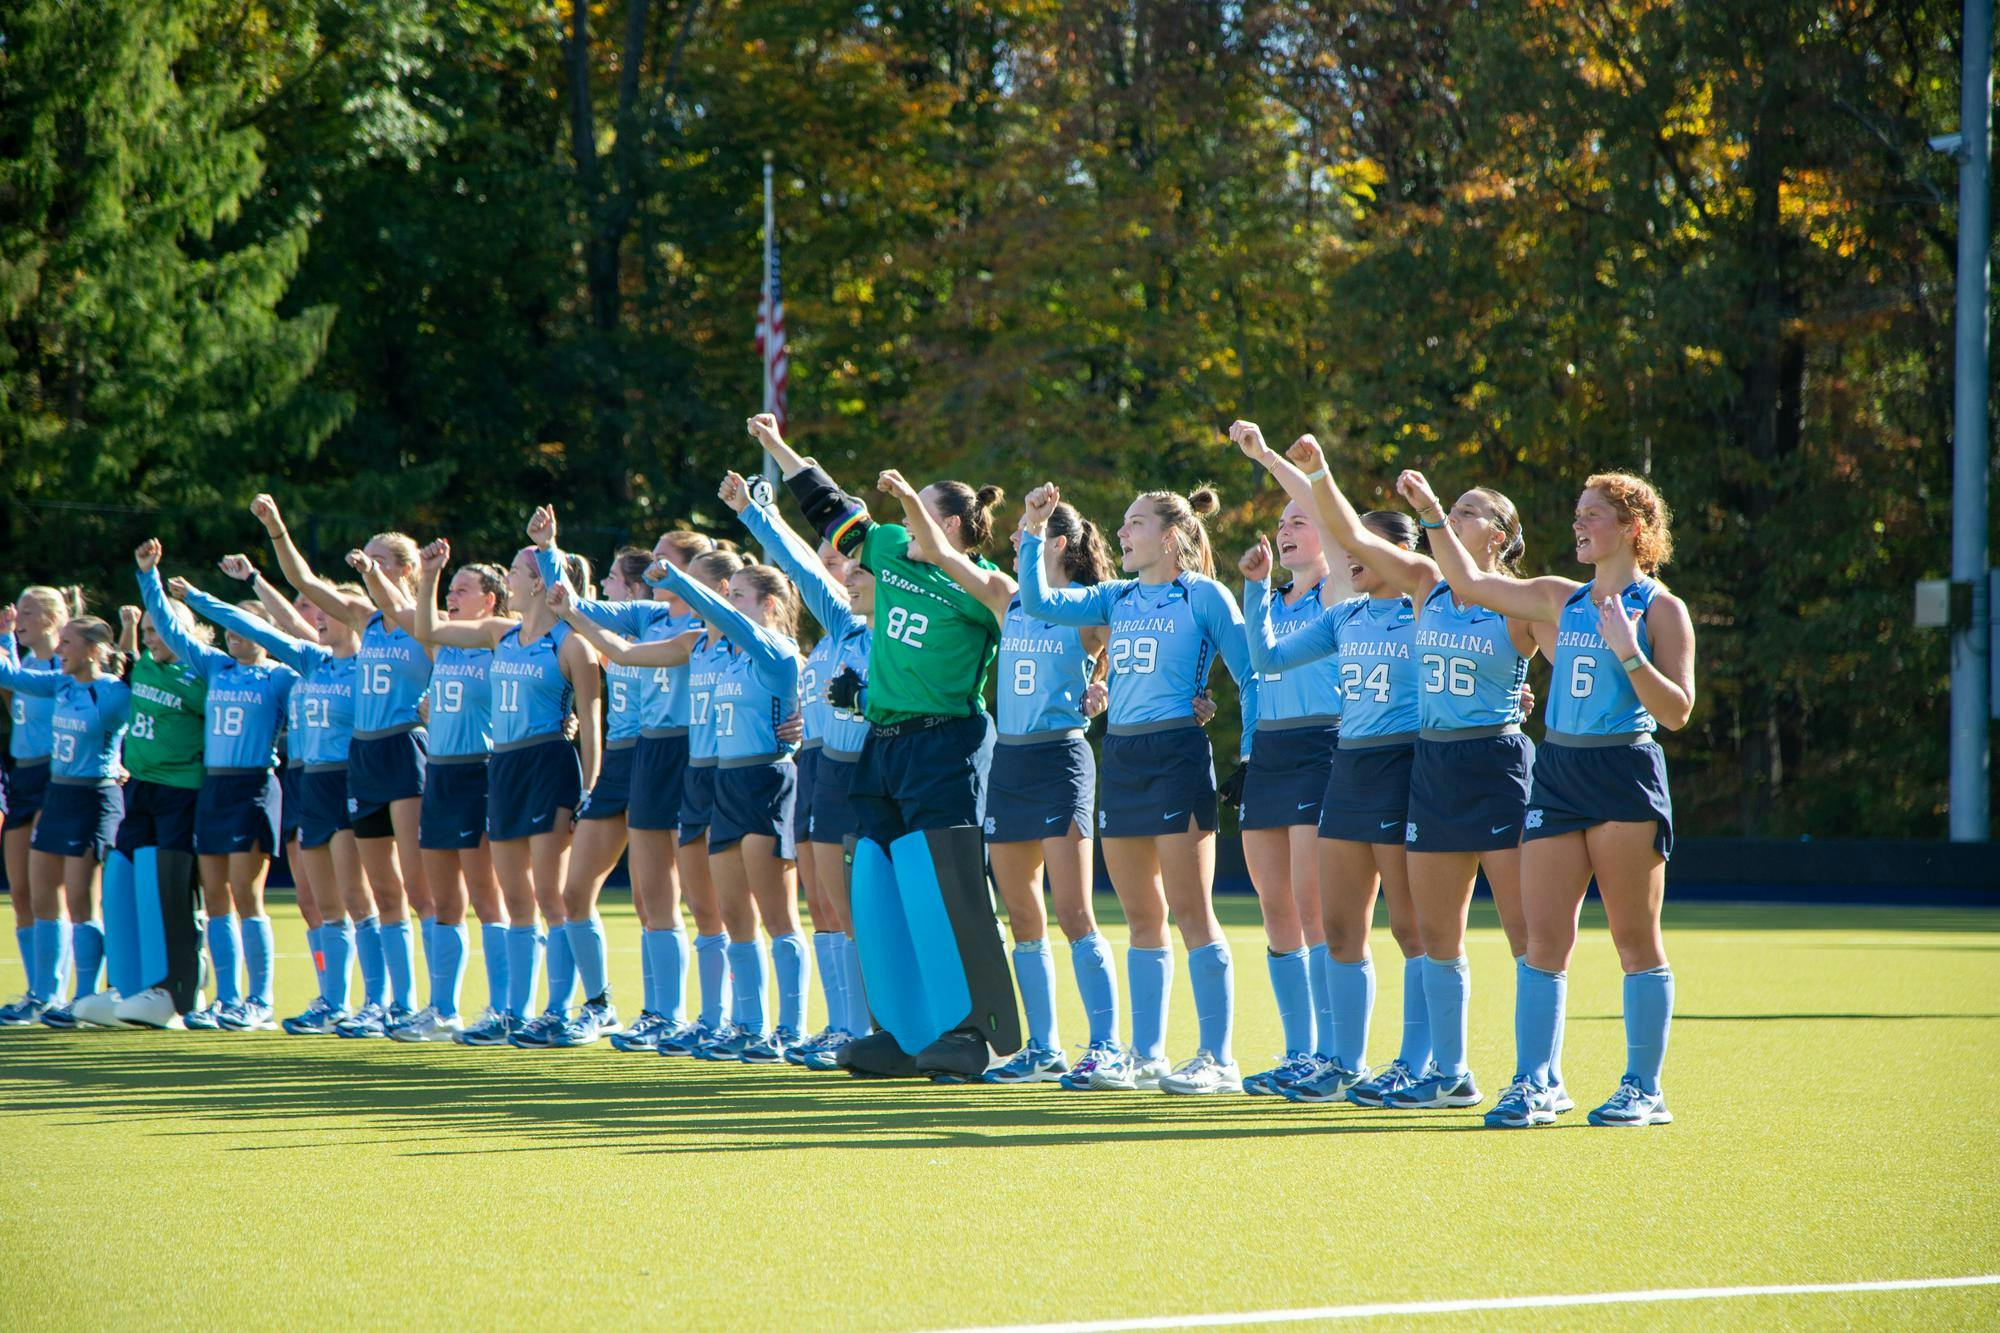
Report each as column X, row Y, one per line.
column 49, row 946
column 711, row 956
column 524, row 962
column 338, row 942
column 399, row 954
column 746, row 977
column 316, row 947
column 586, row 945
column 24, row 940
column 1090, row 960
column 87, row 945
column 1416, row 1052
column 1318, row 958
column 493, row 949
column 648, row 989
column 1538, row 1017
column 258, row 945
column 1035, row 973
column 790, row 965
column 826, row 957
column 1212, row 975
column 427, row 928
column 1149, row 975
column 666, row 953
column 1291, row 983
column 1649, row 1012
column 1556, row 1056
column 863, row 1018
column 562, row 969
column 1353, row 988
column 225, row 950
column 368, row 952
column 121, row 927
column 1447, row 994
column 446, row 956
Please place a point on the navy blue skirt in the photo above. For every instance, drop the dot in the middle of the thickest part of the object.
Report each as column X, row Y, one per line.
column 613, row 792
column 27, row 790
column 529, row 790
column 925, row 773
column 807, row 764
column 157, row 815
column 80, row 820
column 1367, row 795
column 754, row 800
column 1470, row 795
column 1041, row 790
column 1286, row 780
column 1154, row 781
column 833, row 819
column 238, row 812
column 322, row 804
column 697, row 800
column 288, row 802
column 659, row 782
column 384, row 769
column 1577, row 788
column 453, row 818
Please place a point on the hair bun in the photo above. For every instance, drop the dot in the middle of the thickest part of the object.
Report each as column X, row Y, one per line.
column 989, row 496
column 72, row 595
column 1204, row 501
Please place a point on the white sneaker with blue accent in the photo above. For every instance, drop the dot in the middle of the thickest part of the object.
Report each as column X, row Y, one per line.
column 828, row 1053
column 1632, row 1107
column 370, row 1020
column 1202, row 1075
column 1078, row 1079
column 681, row 1038
column 205, row 1019
column 99, row 1010
column 427, row 1024
column 1272, row 1082
column 1523, row 1106
column 1392, row 1077
column 59, row 1017
column 493, row 1029
column 24, row 1010
column 539, row 1032
column 1331, row 1084
column 641, row 1035
column 1559, row 1101
column 318, row 1019
column 248, row 1016
column 1030, row 1064
column 1434, row 1092
column 724, row 1045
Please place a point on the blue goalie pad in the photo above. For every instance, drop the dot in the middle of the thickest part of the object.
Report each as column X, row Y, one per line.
column 148, row 917
column 121, row 926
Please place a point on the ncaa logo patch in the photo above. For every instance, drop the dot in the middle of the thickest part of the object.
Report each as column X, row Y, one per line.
column 1534, row 820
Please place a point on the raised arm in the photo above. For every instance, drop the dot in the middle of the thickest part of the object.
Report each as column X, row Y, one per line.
column 283, row 614
column 341, row 606
column 389, row 597
column 166, row 624
column 1529, row 599
column 301, row 655
column 766, row 648
column 614, row 647
column 1317, row 638
column 1090, row 605
column 1305, row 473
column 1215, row 611
column 41, row 683
column 837, row 516
column 764, row 429
column 824, row 598
column 993, row 588
column 579, row 663
column 430, row 627
column 128, row 629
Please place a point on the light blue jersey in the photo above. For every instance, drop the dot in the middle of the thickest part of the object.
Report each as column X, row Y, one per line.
column 1310, row 690
column 844, row 646
column 86, row 721
column 461, row 714
column 1164, row 638
column 1467, row 665
column 756, row 683
column 395, row 672
column 1043, row 673
column 532, row 698
column 636, row 698
column 705, row 664
column 323, row 699
column 245, row 703
column 1369, row 639
column 31, row 712
column 1593, row 693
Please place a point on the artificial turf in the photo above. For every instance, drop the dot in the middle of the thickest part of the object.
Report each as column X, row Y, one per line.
column 1834, row 1073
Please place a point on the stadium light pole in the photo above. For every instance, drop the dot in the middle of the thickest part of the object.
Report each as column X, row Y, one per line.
column 771, row 476
column 1971, row 706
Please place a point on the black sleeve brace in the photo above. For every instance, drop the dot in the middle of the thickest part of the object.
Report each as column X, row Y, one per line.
column 832, row 512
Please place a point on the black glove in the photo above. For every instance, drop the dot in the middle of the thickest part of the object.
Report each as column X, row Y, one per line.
column 844, row 690
column 1231, row 790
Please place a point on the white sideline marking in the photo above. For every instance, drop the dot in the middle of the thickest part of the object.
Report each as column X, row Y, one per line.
column 1490, row 1303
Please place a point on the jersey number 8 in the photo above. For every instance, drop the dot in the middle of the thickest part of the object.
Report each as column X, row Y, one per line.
column 907, row 626
column 1024, row 675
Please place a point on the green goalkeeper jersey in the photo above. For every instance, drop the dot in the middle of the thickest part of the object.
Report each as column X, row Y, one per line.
column 934, row 642
column 165, row 739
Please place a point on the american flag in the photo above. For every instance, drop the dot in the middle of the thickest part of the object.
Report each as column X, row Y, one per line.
column 771, row 334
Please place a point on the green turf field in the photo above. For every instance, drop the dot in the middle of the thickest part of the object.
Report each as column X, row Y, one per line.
column 1835, row 1073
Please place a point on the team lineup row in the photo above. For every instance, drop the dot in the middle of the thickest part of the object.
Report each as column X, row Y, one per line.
column 446, row 758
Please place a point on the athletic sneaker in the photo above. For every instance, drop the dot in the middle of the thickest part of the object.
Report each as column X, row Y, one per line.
column 796, row 1054
column 1273, row 1082
column 1078, row 1079
column 538, row 1033
column 370, row 1020
column 604, row 1013
column 1631, row 1107
column 24, row 1010
column 205, row 1018
column 151, row 1008
column 582, row 1030
column 830, row 1054
column 643, row 1035
column 318, row 1019
column 724, row 1045
column 1522, row 1106
column 1331, row 1084
column 249, row 1016
column 1434, row 1092
column 769, row 1050
column 1559, row 1101
column 681, row 1038
column 59, row 1017
column 99, row 1009
column 427, row 1024
column 1031, row 1064
column 1392, row 1077
column 493, row 1029
column 1202, row 1075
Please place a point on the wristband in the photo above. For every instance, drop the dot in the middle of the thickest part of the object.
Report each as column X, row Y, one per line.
column 1632, row 663
column 1424, row 522
column 1315, row 476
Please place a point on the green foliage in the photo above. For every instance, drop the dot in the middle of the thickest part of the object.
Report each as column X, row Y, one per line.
column 1511, row 243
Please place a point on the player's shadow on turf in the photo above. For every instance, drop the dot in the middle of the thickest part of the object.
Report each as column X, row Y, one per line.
column 449, row 1102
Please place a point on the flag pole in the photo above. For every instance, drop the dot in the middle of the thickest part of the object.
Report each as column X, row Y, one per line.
column 770, row 388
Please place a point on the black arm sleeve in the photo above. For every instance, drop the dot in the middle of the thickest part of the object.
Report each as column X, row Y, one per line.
column 832, row 512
